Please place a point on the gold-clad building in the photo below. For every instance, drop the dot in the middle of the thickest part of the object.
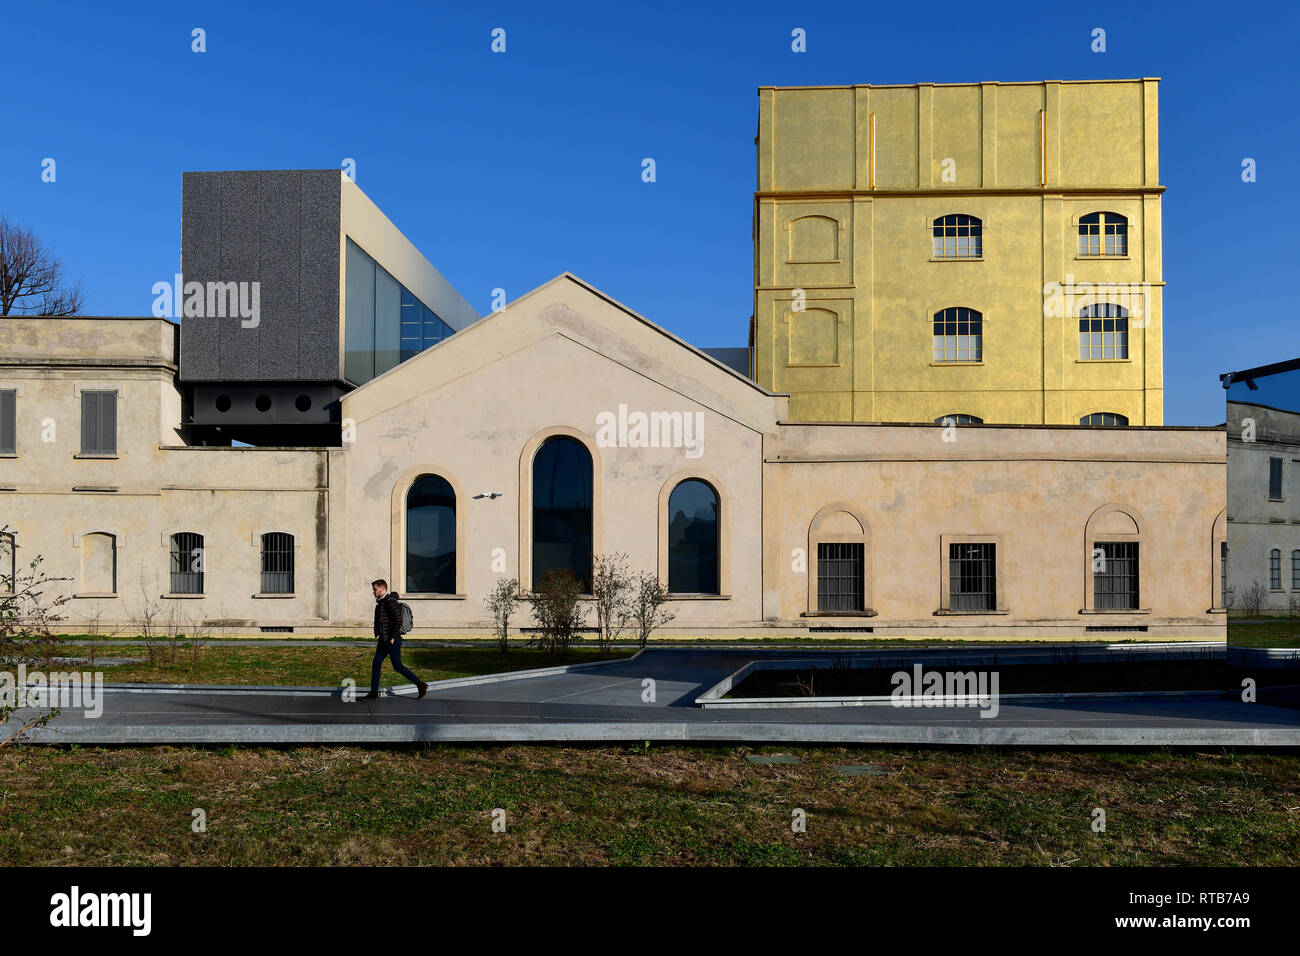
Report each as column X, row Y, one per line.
column 989, row 250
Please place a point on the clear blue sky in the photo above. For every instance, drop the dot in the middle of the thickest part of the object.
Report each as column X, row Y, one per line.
column 508, row 169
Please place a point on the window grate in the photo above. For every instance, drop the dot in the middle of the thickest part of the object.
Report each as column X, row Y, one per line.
column 839, row 576
column 277, row 563
column 187, row 563
column 972, row 581
column 1115, row 583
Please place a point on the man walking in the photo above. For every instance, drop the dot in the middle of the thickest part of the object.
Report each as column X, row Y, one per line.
column 388, row 635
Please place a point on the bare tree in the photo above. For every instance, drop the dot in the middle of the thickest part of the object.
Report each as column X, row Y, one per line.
column 1252, row 601
column 611, row 592
column 648, row 609
column 28, row 614
column 501, row 603
column 31, row 278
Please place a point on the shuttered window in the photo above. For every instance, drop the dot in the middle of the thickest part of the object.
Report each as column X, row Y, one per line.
column 99, row 423
column 8, row 421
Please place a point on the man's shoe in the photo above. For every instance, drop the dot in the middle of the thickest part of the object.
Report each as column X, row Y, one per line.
column 424, row 689
column 371, row 696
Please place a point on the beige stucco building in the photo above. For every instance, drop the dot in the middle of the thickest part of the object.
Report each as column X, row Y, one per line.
column 905, row 530
column 1263, row 507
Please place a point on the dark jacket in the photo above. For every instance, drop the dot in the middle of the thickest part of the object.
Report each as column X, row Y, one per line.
column 388, row 617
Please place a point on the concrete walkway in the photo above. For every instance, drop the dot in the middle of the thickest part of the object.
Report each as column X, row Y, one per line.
column 604, row 702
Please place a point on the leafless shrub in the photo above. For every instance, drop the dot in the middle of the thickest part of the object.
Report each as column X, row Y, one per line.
column 612, row 594
column 557, row 611
column 648, row 612
column 501, row 603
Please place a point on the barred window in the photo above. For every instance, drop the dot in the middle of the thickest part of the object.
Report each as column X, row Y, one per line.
column 1115, row 578
column 1223, row 573
column 1275, row 569
column 839, row 576
column 972, row 577
column 958, row 237
column 277, row 563
column 1103, row 234
column 958, row 419
column 187, row 563
column 958, row 335
column 1104, row 419
column 1103, row 331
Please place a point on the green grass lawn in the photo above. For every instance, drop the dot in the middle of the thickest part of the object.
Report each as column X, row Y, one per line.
column 1264, row 632
column 661, row 805
column 309, row 665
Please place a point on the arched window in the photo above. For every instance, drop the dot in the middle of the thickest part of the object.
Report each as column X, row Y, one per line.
column 562, row 510
column 186, row 563
column 1111, row 419
column 693, row 538
column 8, row 562
column 1114, row 559
column 958, row 419
column 958, row 336
column 1275, row 569
column 1295, row 570
column 277, row 563
column 431, row 536
column 1103, row 234
column 1103, row 331
column 99, row 563
column 958, row 237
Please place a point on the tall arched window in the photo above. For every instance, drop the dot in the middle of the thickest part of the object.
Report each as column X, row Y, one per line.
column 1103, row 234
column 958, row 236
column 1275, row 569
column 431, row 536
column 693, row 538
column 1103, row 331
column 1295, row 570
column 562, row 510
column 958, row 336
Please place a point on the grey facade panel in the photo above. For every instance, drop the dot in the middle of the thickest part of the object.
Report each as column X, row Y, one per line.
column 240, row 262
column 278, row 228
column 200, row 255
column 319, row 266
column 279, row 237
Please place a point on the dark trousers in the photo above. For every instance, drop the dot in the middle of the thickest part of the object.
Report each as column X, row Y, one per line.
column 392, row 651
